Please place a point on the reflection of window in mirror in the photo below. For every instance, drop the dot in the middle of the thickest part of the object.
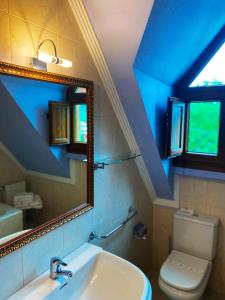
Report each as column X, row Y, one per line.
column 80, row 123
column 68, row 121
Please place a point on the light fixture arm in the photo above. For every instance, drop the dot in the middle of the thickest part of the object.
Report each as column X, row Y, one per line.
column 42, row 58
column 53, row 44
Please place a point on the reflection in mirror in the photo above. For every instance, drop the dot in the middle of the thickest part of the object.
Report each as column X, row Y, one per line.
column 80, row 123
column 43, row 152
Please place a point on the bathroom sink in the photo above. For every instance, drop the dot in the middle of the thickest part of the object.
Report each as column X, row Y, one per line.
column 97, row 275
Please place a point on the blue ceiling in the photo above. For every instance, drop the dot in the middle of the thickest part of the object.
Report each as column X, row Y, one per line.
column 176, row 34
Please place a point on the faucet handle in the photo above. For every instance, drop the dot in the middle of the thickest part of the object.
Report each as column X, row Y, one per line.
column 58, row 261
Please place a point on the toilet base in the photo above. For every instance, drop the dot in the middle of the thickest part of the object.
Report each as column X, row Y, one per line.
column 175, row 294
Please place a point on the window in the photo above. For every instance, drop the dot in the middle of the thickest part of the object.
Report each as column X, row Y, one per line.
column 196, row 133
column 213, row 73
column 203, row 127
column 68, row 121
column 200, row 134
column 80, row 123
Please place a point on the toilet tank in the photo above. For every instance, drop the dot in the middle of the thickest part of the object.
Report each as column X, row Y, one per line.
column 195, row 234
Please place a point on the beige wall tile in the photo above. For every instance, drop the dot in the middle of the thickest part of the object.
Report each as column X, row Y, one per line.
column 217, row 280
column 25, row 39
column 58, row 197
column 11, row 274
column 94, row 75
column 155, row 240
column 67, row 26
column 10, row 172
column 76, row 232
column 193, row 193
column 216, row 196
column 41, row 12
column 5, row 53
column 102, row 107
column 162, row 234
column 78, row 54
column 4, row 5
column 37, row 255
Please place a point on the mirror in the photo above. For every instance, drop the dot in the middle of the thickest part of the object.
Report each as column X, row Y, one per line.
column 46, row 152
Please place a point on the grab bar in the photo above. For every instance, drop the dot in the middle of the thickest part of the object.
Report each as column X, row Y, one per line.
column 132, row 212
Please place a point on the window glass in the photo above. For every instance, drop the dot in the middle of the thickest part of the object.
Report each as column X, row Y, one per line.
column 203, row 127
column 213, row 73
column 80, row 123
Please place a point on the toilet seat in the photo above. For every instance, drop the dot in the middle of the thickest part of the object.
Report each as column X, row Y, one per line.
column 183, row 271
column 175, row 294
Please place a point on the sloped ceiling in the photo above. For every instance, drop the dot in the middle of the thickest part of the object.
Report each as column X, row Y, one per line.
column 176, row 34
column 24, row 124
column 119, row 26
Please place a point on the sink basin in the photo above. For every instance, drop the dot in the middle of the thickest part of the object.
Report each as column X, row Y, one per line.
column 97, row 275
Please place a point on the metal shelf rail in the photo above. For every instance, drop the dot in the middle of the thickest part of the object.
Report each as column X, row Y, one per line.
column 132, row 212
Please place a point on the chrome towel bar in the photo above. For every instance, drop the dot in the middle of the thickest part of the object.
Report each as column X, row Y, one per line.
column 132, row 212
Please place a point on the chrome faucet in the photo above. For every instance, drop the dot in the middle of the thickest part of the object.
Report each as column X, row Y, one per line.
column 55, row 268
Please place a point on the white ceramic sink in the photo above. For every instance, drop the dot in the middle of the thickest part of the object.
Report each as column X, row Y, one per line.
column 97, row 275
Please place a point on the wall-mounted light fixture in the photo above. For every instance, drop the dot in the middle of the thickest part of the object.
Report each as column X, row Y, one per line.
column 43, row 58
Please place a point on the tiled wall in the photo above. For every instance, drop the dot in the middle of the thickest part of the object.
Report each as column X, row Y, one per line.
column 72, row 194
column 205, row 196
column 12, row 172
column 48, row 189
column 23, row 24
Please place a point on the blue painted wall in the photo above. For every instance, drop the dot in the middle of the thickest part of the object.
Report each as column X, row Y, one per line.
column 154, row 96
column 176, row 34
column 24, row 103
column 134, row 107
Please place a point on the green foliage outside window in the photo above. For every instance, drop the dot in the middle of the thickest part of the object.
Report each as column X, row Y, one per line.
column 203, row 127
column 213, row 73
column 213, row 82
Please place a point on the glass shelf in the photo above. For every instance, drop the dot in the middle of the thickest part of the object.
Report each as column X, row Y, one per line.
column 114, row 160
column 76, row 156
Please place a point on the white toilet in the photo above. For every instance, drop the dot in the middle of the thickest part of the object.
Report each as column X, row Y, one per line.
column 185, row 273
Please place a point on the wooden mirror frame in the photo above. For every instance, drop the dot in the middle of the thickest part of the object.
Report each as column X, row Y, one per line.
column 33, row 74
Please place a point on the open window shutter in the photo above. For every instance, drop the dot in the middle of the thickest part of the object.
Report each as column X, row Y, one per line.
column 59, row 123
column 176, row 122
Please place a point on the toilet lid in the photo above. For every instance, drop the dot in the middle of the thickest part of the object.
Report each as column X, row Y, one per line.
column 183, row 271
